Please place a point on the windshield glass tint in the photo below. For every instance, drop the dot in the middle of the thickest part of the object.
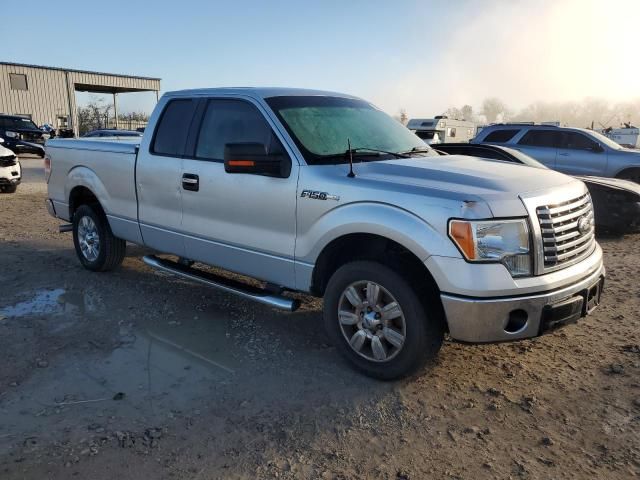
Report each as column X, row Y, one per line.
column 24, row 123
column 320, row 126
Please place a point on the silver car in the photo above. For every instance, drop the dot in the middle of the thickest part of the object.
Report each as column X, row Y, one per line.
column 576, row 151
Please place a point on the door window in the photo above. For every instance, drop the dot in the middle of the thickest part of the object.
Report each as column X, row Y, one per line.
column 541, row 138
column 173, row 128
column 577, row 141
column 500, row 136
column 232, row 121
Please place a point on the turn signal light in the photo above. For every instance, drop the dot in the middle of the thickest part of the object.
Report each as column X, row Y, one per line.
column 462, row 234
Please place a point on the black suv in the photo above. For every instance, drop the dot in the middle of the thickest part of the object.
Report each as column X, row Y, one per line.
column 21, row 135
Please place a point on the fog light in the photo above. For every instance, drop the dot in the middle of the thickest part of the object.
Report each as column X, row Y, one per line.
column 517, row 321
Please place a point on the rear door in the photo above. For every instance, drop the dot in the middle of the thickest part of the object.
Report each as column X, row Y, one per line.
column 580, row 155
column 542, row 145
column 241, row 222
column 159, row 178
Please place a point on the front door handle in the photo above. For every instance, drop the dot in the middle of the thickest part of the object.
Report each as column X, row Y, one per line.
column 190, row 182
column 563, row 154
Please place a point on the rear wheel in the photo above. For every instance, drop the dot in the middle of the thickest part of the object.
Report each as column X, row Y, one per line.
column 376, row 319
column 96, row 246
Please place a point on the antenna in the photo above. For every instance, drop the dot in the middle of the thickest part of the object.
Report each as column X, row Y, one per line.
column 350, row 174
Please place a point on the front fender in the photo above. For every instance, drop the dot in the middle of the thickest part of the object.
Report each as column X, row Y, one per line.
column 394, row 223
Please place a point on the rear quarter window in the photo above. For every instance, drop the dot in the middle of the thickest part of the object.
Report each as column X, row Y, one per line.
column 170, row 137
column 500, row 136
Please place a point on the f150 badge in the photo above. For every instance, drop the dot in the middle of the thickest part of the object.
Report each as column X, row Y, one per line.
column 319, row 195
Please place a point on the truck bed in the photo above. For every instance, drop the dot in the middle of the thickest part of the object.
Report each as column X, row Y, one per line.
column 106, row 168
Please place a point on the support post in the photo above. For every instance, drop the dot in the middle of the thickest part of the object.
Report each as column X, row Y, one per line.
column 115, row 108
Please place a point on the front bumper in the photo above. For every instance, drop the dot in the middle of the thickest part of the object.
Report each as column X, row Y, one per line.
column 20, row 146
column 482, row 320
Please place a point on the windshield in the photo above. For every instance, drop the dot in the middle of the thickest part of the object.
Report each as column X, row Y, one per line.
column 605, row 140
column 24, row 123
column 321, row 125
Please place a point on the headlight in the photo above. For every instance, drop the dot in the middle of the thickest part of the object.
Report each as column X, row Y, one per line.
column 11, row 134
column 499, row 241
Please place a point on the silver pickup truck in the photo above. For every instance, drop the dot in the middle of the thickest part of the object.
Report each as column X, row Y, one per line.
column 324, row 193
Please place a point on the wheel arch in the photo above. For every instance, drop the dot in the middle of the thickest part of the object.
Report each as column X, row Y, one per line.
column 627, row 172
column 81, row 195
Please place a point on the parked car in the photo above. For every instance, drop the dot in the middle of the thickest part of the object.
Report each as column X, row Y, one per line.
column 616, row 202
column 112, row 133
column 10, row 170
column 323, row 193
column 576, row 151
column 21, row 135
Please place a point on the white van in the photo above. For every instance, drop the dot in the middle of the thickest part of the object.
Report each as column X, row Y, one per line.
column 442, row 129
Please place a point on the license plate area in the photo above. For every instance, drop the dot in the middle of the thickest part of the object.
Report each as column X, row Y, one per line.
column 573, row 308
column 592, row 297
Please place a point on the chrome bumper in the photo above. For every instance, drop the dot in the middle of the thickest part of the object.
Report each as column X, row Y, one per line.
column 481, row 320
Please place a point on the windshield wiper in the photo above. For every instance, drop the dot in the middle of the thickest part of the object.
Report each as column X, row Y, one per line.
column 365, row 151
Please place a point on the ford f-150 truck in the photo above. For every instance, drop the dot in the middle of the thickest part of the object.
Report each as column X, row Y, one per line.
column 323, row 193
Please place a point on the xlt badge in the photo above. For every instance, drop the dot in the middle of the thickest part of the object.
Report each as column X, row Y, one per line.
column 319, row 195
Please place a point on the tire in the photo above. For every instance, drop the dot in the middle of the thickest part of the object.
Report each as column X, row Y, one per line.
column 418, row 343
column 10, row 189
column 632, row 174
column 97, row 248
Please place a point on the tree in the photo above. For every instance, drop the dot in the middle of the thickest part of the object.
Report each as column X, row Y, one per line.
column 94, row 115
column 467, row 113
column 494, row 109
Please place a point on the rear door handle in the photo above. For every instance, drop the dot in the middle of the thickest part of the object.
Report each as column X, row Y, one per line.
column 190, row 182
column 564, row 154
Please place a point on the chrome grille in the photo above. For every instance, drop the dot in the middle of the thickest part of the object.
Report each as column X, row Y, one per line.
column 568, row 231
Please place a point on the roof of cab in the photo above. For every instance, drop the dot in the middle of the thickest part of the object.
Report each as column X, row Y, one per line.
column 257, row 92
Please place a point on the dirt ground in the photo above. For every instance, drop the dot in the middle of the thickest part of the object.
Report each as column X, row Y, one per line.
column 132, row 374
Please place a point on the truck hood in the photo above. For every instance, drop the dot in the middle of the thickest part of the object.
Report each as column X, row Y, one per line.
column 499, row 184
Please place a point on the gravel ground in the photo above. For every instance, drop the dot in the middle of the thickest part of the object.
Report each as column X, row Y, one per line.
column 132, row 374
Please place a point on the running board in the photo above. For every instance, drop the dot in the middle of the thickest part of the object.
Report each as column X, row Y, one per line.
column 65, row 227
column 221, row 283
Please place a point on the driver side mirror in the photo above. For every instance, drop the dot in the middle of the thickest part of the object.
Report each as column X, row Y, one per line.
column 253, row 158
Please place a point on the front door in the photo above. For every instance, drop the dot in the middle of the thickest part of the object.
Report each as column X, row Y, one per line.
column 580, row 155
column 241, row 222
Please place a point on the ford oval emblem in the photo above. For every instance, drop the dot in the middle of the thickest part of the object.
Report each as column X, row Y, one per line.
column 584, row 225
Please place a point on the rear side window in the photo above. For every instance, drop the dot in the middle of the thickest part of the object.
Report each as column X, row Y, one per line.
column 231, row 121
column 173, row 128
column 577, row 141
column 541, row 138
column 500, row 136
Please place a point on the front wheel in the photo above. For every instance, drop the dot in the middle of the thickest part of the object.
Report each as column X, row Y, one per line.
column 9, row 188
column 96, row 246
column 377, row 320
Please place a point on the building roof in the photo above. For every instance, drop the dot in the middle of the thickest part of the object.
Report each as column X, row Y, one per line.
column 77, row 71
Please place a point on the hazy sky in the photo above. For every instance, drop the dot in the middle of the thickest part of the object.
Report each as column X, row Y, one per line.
column 423, row 56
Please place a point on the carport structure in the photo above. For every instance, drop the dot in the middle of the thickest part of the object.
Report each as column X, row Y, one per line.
column 47, row 94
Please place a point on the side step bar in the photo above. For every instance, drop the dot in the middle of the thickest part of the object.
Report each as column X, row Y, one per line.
column 222, row 283
column 65, row 227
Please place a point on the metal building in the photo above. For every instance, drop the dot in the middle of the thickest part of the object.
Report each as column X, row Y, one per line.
column 47, row 94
